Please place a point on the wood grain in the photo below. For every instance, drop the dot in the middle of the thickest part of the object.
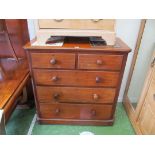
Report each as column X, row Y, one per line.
column 82, row 96
column 97, row 61
column 75, row 111
column 75, row 44
column 62, row 60
column 76, row 78
column 146, row 119
column 75, row 95
column 14, row 72
column 104, row 24
column 99, row 122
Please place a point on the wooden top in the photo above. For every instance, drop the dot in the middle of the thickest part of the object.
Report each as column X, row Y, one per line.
column 82, row 44
column 12, row 74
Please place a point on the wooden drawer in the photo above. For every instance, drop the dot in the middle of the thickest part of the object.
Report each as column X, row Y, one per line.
column 75, row 111
column 53, row 60
column 76, row 95
column 103, row 24
column 76, row 78
column 96, row 61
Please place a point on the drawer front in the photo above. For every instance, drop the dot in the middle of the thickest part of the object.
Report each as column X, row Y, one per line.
column 103, row 24
column 75, row 111
column 53, row 60
column 76, row 95
column 94, row 61
column 76, row 78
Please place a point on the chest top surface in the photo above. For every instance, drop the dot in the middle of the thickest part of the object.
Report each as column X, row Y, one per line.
column 82, row 44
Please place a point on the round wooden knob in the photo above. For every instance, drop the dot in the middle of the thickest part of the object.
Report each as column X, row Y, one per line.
column 93, row 112
column 95, row 96
column 58, row 20
column 96, row 20
column 154, row 96
column 56, row 96
column 98, row 79
column 57, row 110
column 55, row 78
column 53, row 61
column 99, row 62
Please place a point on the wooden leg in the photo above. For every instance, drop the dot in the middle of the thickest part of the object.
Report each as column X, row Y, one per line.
column 2, row 124
column 30, row 96
column 26, row 99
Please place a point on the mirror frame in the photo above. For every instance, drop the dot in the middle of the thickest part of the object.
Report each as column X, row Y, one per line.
column 131, row 111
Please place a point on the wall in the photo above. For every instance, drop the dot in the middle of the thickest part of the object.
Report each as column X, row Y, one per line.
column 143, row 61
column 126, row 29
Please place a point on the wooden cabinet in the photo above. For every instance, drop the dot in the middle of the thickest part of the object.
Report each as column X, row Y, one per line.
column 77, row 85
column 14, row 72
column 146, row 119
column 143, row 116
column 104, row 28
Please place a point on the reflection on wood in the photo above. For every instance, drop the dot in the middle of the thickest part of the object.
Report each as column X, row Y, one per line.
column 14, row 76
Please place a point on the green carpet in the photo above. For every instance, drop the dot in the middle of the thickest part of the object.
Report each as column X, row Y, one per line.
column 20, row 121
column 121, row 126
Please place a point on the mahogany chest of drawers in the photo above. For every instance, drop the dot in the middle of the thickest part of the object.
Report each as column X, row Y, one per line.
column 77, row 83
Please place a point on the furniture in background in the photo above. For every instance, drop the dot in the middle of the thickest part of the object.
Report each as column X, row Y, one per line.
column 77, row 83
column 14, row 79
column 104, row 28
column 139, row 94
column 146, row 106
column 14, row 72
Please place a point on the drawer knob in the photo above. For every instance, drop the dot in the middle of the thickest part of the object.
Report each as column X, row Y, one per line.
column 57, row 111
column 55, row 78
column 58, row 20
column 56, row 96
column 93, row 112
column 98, row 79
column 53, row 61
column 99, row 62
column 154, row 96
column 95, row 96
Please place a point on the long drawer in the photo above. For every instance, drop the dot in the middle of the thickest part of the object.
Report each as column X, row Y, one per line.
column 76, row 78
column 102, row 24
column 98, row 61
column 75, row 95
column 75, row 111
column 53, row 60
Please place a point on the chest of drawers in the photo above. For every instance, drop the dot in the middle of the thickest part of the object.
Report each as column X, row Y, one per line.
column 77, row 83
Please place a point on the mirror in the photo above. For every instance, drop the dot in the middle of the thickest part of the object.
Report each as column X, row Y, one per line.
column 142, row 62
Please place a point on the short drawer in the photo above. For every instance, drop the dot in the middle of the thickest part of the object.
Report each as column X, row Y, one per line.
column 75, row 95
column 75, row 111
column 103, row 62
column 76, row 78
column 53, row 60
